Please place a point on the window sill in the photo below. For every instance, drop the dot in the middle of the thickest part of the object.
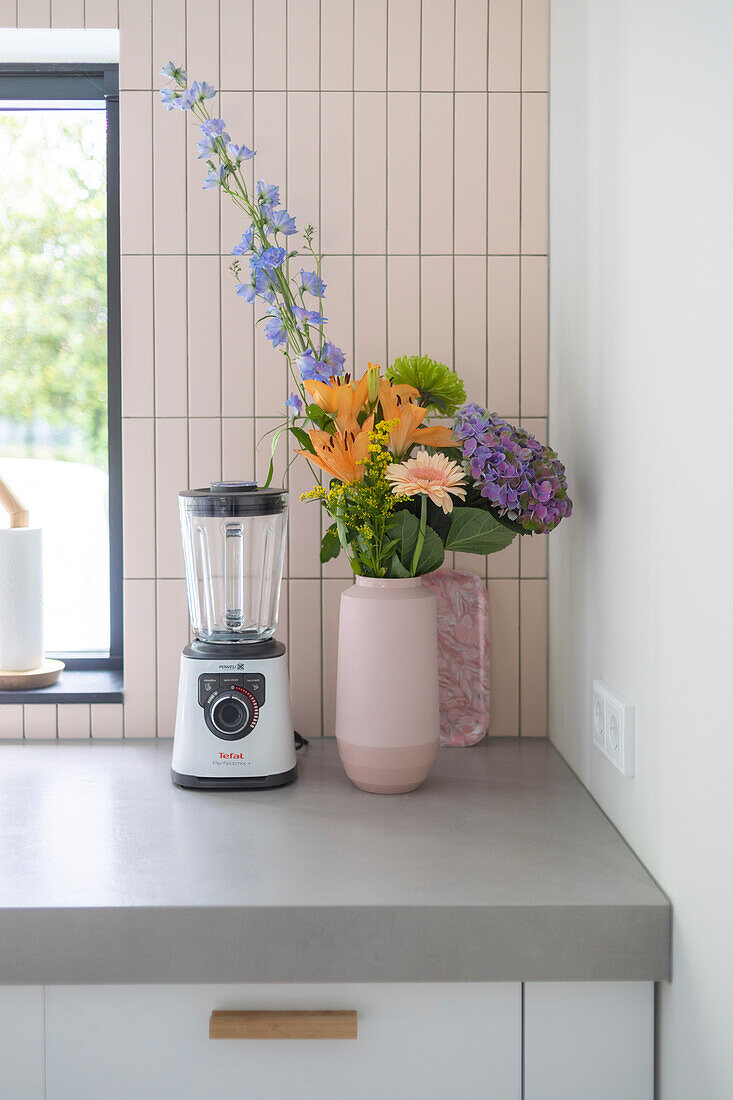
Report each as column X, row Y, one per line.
column 74, row 686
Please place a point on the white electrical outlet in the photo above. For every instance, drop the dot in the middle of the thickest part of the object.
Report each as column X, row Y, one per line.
column 613, row 726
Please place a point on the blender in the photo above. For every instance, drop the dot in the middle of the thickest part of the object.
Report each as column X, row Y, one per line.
column 233, row 723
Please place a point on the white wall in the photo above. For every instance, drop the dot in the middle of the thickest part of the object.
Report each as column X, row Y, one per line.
column 641, row 368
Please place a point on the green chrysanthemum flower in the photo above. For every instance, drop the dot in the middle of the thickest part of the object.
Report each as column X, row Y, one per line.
column 439, row 387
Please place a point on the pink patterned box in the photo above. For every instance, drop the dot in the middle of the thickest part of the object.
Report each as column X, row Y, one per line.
column 463, row 655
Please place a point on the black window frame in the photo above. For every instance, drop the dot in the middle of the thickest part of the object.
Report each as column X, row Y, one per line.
column 95, row 82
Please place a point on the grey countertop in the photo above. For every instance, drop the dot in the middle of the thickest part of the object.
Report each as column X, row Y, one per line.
column 501, row 867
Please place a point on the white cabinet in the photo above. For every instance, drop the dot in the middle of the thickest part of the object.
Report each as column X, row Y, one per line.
column 21, row 1042
column 431, row 1041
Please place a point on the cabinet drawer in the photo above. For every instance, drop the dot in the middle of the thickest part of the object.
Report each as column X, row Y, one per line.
column 116, row 1042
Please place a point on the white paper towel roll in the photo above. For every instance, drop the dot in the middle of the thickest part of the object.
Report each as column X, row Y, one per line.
column 21, row 599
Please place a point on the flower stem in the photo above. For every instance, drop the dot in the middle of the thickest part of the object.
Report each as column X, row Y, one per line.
column 420, row 534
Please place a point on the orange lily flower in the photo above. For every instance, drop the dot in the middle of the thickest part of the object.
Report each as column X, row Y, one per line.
column 343, row 400
column 342, row 455
column 398, row 404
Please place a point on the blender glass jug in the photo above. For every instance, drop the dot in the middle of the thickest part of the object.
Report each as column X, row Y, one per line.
column 233, row 547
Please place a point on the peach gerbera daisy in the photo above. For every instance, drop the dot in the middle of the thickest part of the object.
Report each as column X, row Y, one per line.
column 435, row 475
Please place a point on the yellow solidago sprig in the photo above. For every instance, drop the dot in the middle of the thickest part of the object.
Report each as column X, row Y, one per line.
column 362, row 509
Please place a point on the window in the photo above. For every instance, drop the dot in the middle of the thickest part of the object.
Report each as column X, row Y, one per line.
column 60, row 343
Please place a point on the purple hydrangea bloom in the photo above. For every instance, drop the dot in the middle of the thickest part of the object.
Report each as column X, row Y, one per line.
column 313, row 369
column 295, row 403
column 268, row 194
column 269, row 258
column 245, row 242
column 275, row 330
column 310, row 282
column 281, row 221
column 310, row 316
column 524, row 480
column 212, row 127
column 240, row 152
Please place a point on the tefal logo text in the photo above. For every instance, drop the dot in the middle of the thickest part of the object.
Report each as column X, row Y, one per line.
column 231, row 756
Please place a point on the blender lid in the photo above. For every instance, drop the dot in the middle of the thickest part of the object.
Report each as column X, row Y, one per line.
column 234, row 498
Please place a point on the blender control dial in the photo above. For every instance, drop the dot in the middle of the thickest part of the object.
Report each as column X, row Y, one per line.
column 231, row 714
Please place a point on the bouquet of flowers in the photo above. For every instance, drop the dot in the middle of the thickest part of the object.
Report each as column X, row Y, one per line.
column 400, row 491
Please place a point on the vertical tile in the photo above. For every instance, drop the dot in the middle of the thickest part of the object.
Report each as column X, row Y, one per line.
column 204, row 336
column 170, row 172
column 237, row 109
column 269, row 44
column 535, row 45
column 503, row 306
column 238, row 449
column 533, row 393
column 533, row 548
column 505, row 45
column 8, row 13
column 331, row 599
column 136, row 291
column 204, row 451
column 337, row 31
column 107, row 721
column 470, row 173
column 169, row 36
column 11, row 721
column 505, row 563
column 370, row 312
column 370, row 45
column 136, row 172
column 504, row 657
column 437, row 45
column 237, row 348
column 303, row 159
column 303, row 45
column 264, row 429
column 533, row 634
column 436, row 219
column 67, row 13
column 305, row 522
column 172, row 635
column 436, row 327
column 403, row 304
column 34, row 13
column 271, row 373
column 73, row 721
column 403, row 169
column 202, row 39
column 138, row 497
column 171, row 345
column 202, row 206
column 136, row 36
column 534, row 172
column 140, row 659
column 336, row 171
column 101, row 14
column 339, row 304
column 471, row 45
column 470, row 325
column 171, row 475
column 269, row 135
column 504, row 127
column 237, row 56
column 404, row 45
column 370, row 180
column 40, row 722
column 305, row 656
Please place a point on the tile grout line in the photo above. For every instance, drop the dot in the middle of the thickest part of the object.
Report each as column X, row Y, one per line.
column 155, row 401
column 320, row 240
column 419, row 190
column 521, row 168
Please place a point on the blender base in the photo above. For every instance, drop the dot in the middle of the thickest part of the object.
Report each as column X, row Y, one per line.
column 234, row 729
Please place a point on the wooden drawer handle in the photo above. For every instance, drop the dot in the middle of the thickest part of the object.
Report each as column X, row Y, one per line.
column 283, row 1025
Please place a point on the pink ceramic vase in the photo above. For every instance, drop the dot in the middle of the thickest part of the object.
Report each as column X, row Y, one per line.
column 387, row 708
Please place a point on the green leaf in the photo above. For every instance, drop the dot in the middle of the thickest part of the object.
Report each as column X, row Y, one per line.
column 396, row 569
column 330, row 545
column 432, row 553
column 303, row 438
column 475, row 531
column 319, row 417
column 403, row 527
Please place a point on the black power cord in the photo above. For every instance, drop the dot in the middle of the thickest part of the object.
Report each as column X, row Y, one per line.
column 300, row 741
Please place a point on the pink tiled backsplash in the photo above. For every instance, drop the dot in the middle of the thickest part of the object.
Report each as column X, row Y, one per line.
column 413, row 133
